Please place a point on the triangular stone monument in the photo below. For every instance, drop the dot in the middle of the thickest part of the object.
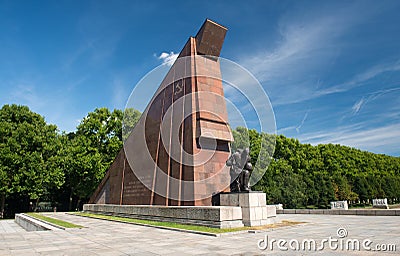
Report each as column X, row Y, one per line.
column 176, row 153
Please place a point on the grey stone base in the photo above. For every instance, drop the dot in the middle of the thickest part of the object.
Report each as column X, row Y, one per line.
column 209, row 216
column 381, row 207
column 31, row 224
column 255, row 212
column 255, row 223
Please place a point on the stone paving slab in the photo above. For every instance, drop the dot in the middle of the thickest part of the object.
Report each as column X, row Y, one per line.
column 101, row 237
column 9, row 226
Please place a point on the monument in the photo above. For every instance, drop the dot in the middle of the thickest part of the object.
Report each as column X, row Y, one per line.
column 381, row 203
column 240, row 170
column 178, row 154
column 207, row 119
column 339, row 205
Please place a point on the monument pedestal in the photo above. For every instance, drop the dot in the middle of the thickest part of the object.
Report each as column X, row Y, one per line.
column 255, row 211
column 209, row 216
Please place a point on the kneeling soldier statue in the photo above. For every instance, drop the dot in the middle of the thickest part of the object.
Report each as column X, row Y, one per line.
column 240, row 170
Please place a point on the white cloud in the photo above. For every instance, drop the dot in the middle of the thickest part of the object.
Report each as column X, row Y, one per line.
column 284, row 129
column 119, row 95
column 168, row 58
column 295, row 127
column 370, row 98
column 357, row 106
column 308, row 47
column 378, row 139
column 26, row 94
column 361, row 78
column 302, row 121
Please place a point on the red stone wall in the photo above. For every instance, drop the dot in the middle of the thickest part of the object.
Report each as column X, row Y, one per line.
column 197, row 78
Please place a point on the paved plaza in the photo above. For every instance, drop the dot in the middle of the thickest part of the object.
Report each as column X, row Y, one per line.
column 101, row 237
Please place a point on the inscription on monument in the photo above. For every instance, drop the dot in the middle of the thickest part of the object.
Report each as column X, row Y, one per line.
column 380, row 203
column 339, row 205
column 134, row 188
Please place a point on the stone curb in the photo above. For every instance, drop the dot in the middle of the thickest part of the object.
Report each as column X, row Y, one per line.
column 46, row 222
column 359, row 212
column 251, row 231
column 44, row 225
column 168, row 228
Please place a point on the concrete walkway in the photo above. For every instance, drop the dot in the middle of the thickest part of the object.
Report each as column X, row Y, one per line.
column 102, row 237
column 9, row 226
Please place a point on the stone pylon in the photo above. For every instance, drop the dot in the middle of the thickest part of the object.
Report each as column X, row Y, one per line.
column 176, row 153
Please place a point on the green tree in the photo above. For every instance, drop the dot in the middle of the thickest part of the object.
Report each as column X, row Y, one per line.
column 102, row 130
column 84, row 167
column 131, row 117
column 89, row 152
column 28, row 154
column 240, row 139
column 320, row 173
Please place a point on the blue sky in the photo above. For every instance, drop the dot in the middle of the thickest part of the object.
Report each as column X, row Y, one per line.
column 330, row 68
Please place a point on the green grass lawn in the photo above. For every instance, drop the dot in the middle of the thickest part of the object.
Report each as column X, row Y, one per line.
column 182, row 226
column 53, row 221
column 360, row 206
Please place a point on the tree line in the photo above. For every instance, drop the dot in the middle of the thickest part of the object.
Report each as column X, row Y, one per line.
column 305, row 176
column 38, row 163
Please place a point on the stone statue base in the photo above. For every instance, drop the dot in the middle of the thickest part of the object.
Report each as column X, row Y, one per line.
column 255, row 211
column 234, row 210
column 208, row 216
